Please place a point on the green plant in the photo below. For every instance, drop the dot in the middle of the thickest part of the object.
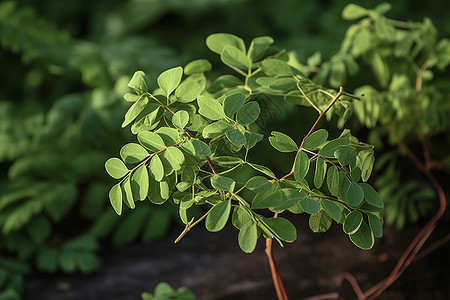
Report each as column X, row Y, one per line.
column 195, row 138
column 163, row 291
column 407, row 105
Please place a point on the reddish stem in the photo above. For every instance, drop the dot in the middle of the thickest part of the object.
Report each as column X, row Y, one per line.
column 276, row 276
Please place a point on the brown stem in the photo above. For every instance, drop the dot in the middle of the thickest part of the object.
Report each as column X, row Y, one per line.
column 412, row 250
column 276, row 276
column 353, row 282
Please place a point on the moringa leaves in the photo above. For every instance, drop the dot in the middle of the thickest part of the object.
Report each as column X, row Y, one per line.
column 282, row 142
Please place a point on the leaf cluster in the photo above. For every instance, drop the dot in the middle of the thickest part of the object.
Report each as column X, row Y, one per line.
column 195, row 136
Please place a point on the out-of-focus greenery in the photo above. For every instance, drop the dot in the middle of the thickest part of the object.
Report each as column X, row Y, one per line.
column 65, row 66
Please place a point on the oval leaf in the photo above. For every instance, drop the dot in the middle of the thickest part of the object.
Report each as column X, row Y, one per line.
column 222, row 183
column 218, row 216
column 175, row 157
column 116, row 168
column 233, row 103
column 311, row 206
column 282, row 142
column 352, row 222
column 218, row 41
column 180, row 119
column 139, row 182
column 151, row 140
column 258, row 184
column 355, row 195
column 115, row 197
column 301, row 165
column 375, row 225
column 156, row 168
column 248, row 237
column 316, row 139
column 210, row 108
column 133, row 153
column 332, row 209
column 282, row 228
column 363, row 238
column 371, row 196
column 170, row 79
column 248, row 113
column 235, row 58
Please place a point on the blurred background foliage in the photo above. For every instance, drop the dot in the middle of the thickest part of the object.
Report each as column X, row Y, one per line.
column 65, row 66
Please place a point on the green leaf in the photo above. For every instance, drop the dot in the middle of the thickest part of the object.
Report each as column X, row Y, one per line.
column 266, row 200
column 320, row 172
column 371, row 196
column 380, row 69
column 235, row 58
column 196, row 148
column 352, row 222
column 301, row 165
column 311, row 206
column 375, row 225
column 218, row 41
column 189, row 91
column 363, row 238
column 319, row 223
column 151, row 140
column 248, row 113
column 134, row 111
column 154, row 192
column 248, row 236
column 133, row 153
column 276, row 68
column 330, row 147
column 115, row 197
column 139, row 182
column 138, row 82
column 180, row 119
column 289, row 198
column 210, row 108
column 175, row 157
column 128, row 194
column 170, row 136
column 262, row 169
column 227, row 161
column 355, row 195
column 258, row 184
column 345, row 156
column 170, row 79
column 252, row 139
column 197, row 66
column 282, row 142
column 282, row 228
column 233, row 103
column 131, row 97
column 216, row 129
column 334, row 180
column 353, row 11
column 156, row 168
column 258, row 47
column 218, row 216
column 315, row 140
column 222, row 183
column 116, row 168
column 235, row 136
column 332, row 209
column 367, row 160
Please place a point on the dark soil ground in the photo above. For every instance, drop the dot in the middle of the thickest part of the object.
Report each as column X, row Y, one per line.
column 214, row 268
